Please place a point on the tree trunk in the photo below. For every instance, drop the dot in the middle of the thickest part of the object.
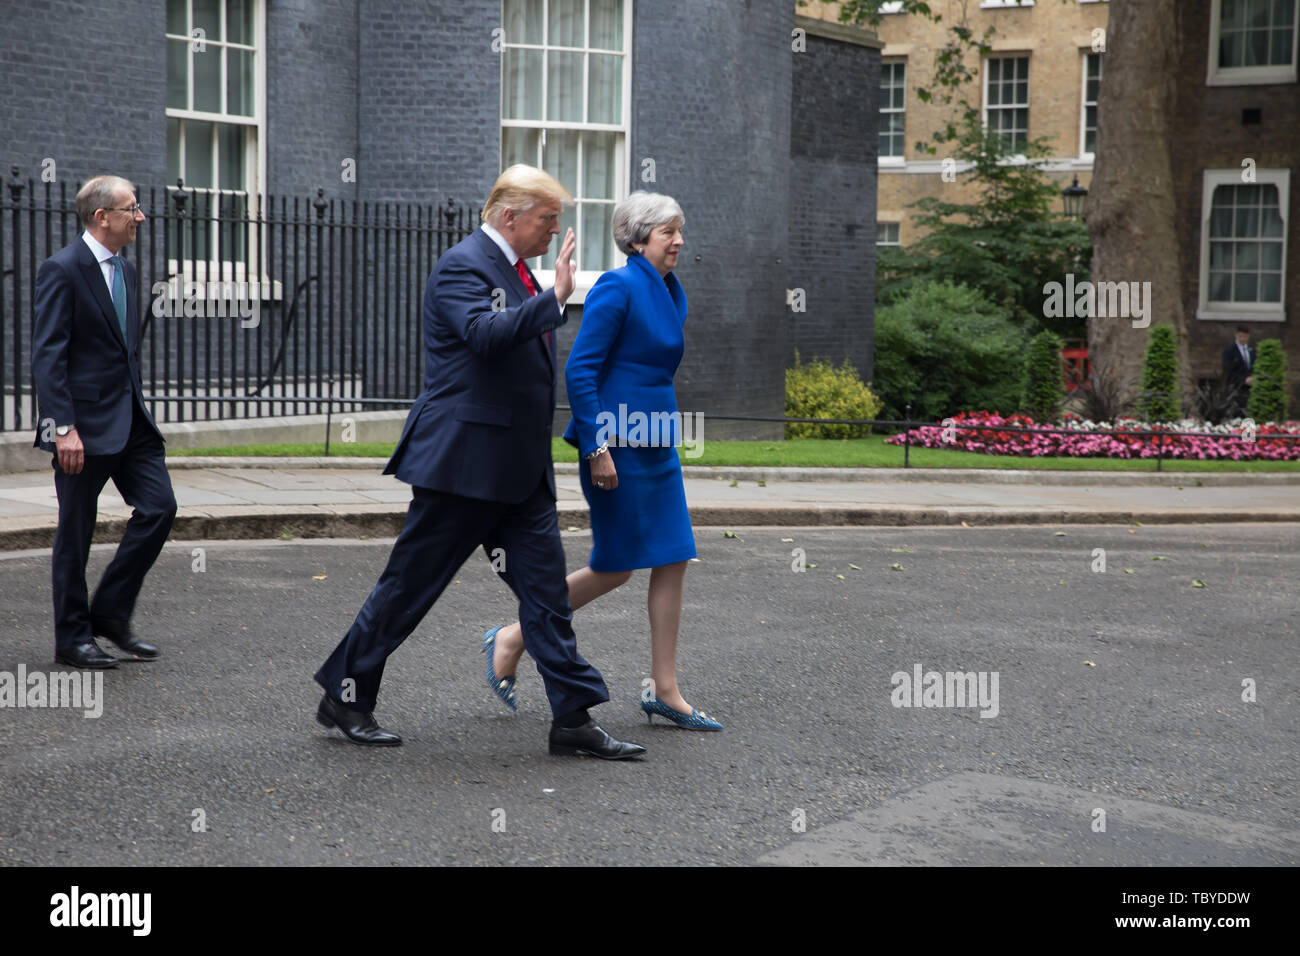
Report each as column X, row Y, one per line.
column 1131, row 206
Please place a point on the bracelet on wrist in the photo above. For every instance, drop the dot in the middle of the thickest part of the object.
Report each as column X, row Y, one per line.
column 599, row 451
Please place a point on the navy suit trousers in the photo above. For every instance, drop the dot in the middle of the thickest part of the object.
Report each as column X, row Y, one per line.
column 140, row 474
column 441, row 532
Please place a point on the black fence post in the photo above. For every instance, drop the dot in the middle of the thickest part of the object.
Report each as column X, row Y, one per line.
column 907, row 435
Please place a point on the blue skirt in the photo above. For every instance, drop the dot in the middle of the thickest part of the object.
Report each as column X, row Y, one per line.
column 643, row 523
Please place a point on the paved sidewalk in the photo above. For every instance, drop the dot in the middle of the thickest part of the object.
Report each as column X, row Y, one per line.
column 257, row 498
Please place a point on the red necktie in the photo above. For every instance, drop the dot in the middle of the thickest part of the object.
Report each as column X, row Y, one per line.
column 528, row 284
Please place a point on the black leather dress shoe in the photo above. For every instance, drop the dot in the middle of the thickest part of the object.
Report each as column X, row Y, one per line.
column 358, row 727
column 86, row 655
column 127, row 641
column 591, row 741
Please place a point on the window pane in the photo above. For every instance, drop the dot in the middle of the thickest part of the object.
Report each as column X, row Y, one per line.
column 1220, row 257
column 1270, row 256
column 239, row 82
column 1247, row 223
column 207, row 78
column 1233, row 13
column 1283, row 10
column 566, row 22
column 521, row 84
column 1230, row 49
column 1220, row 286
column 239, row 21
column 519, row 146
column 1220, row 220
column 207, row 15
column 597, row 250
column 231, row 163
column 560, row 158
column 598, row 171
column 1022, row 92
column 178, row 65
column 1248, row 256
column 1271, row 223
column 1245, row 287
column 1270, row 287
column 564, row 87
column 173, row 150
column 198, row 154
column 177, row 13
column 607, row 24
column 605, row 89
column 1257, row 48
column 523, row 21
column 1281, row 52
column 1258, row 14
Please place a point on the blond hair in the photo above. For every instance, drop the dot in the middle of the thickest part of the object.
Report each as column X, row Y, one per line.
column 520, row 188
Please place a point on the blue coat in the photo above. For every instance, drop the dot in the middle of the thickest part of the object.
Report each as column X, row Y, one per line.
column 482, row 427
column 84, row 373
column 626, row 354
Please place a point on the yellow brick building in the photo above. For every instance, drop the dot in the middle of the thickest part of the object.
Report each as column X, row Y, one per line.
column 1041, row 80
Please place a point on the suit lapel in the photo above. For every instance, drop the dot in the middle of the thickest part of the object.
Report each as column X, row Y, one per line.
column 93, row 276
column 506, row 271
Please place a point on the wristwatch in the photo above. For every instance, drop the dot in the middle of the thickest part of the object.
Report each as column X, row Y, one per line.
column 64, row 429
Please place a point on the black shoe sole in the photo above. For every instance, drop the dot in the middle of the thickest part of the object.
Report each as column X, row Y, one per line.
column 81, row 665
column 564, row 750
column 332, row 724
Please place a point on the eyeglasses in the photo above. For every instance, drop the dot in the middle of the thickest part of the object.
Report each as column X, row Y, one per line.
column 131, row 209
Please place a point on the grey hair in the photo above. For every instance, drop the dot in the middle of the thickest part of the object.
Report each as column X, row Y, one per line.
column 638, row 215
column 99, row 192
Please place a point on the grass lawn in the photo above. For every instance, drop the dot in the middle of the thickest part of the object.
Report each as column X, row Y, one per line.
column 804, row 453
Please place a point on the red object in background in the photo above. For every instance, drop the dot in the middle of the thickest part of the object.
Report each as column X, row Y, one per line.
column 1077, row 368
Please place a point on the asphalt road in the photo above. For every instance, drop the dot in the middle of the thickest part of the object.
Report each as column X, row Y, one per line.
column 1120, row 692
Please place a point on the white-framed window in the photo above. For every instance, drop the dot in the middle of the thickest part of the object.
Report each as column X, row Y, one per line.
column 1092, row 69
column 1252, row 42
column 566, row 74
column 1003, row 4
column 1006, row 98
column 216, row 111
column 887, row 233
column 891, row 6
column 1243, row 245
column 893, row 98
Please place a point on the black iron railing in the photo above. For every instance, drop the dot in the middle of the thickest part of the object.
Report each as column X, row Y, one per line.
column 244, row 298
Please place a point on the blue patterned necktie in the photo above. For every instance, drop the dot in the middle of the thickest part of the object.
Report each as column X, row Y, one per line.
column 119, row 291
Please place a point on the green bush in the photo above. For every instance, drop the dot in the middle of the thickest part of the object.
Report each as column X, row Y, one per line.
column 1159, row 401
column 1044, row 378
column 818, row 390
column 946, row 348
column 1268, row 400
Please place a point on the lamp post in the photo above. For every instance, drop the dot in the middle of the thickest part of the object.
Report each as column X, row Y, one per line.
column 1073, row 197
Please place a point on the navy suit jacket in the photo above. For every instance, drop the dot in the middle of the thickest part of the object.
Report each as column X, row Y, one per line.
column 84, row 373
column 482, row 427
column 1234, row 366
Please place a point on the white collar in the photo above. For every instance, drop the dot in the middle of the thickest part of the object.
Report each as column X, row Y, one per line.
column 501, row 242
column 100, row 250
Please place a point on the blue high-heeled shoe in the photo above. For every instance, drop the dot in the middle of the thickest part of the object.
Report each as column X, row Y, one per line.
column 503, row 687
column 696, row 720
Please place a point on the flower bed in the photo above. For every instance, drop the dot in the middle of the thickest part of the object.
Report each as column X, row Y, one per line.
column 1086, row 439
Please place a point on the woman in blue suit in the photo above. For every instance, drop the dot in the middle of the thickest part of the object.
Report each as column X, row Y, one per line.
column 626, row 426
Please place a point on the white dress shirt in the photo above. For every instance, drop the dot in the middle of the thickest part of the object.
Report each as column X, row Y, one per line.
column 102, row 256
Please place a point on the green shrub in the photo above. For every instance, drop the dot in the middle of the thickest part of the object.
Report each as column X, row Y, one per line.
column 946, row 348
column 1268, row 400
column 1159, row 401
column 1044, row 378
column 818, row 390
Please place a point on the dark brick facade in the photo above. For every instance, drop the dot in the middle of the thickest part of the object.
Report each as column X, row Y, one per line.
column 771, row 153
column 833, row 146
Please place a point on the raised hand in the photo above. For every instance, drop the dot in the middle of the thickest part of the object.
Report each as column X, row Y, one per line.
column 565, row 270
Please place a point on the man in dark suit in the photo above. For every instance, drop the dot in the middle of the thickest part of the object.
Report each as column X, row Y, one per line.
column 477, row 450
column 1239, row 365
column 86, row 368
